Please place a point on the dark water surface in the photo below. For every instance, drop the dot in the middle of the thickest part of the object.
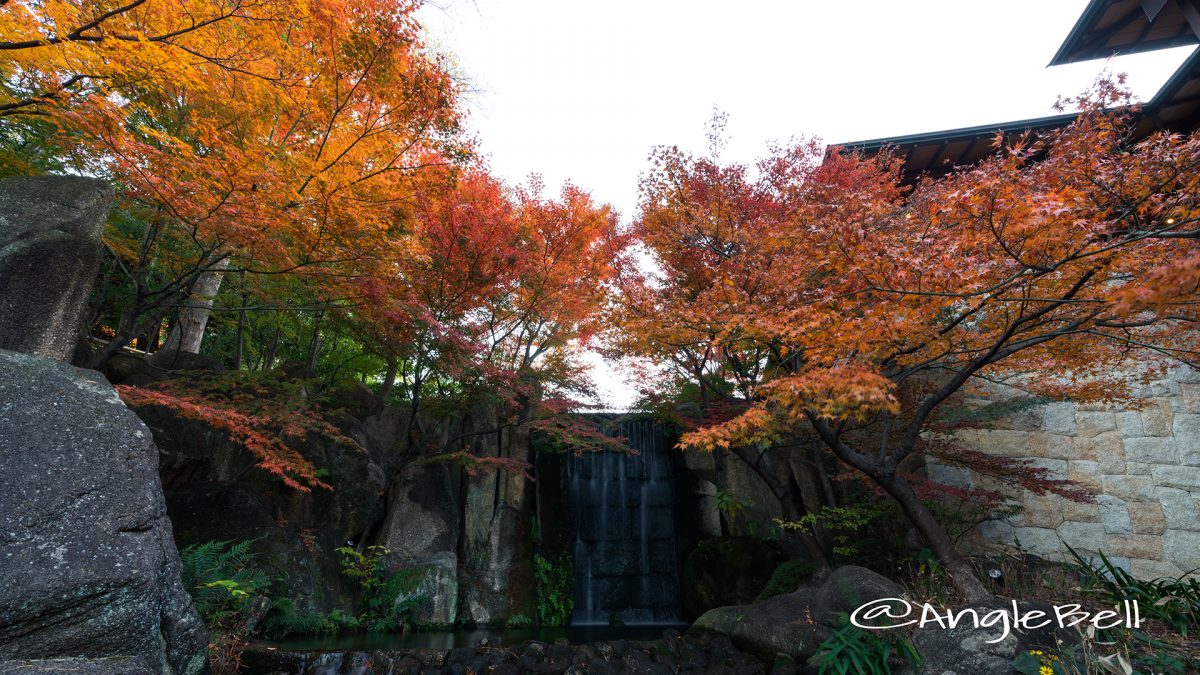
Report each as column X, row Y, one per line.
column 470, row 637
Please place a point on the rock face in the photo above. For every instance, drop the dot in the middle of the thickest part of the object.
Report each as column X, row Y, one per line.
column 206, row 478
column 50, row 230
column 88, row 566
column 421, row 530
column 796, row 623
column 463, row 542
column 495, row 545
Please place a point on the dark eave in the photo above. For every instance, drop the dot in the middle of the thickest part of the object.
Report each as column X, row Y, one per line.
column 1176, row 107
column 1106, row 27
column 983, row 131
column 940, row 152
column 1109, row 27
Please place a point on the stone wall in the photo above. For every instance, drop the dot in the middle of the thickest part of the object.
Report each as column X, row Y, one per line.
column 1143, row 465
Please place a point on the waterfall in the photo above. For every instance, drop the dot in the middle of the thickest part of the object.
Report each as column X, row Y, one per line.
column 623, row 529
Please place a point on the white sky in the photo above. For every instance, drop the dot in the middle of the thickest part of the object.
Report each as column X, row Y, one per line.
column 583, row 91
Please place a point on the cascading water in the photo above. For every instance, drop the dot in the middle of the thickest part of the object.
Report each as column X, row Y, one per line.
column 623, row 528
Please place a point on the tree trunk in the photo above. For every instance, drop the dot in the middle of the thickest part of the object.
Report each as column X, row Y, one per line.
column 914, row 509
column 129, row 329
column 188, row 331
column 790, row 501
column 241, row 328
column 154, row 335
column 314, row 345
column 414, row 413
column 389, row 381
column 269, row 358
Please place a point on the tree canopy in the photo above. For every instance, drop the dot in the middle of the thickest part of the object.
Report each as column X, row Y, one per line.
column 818, row 294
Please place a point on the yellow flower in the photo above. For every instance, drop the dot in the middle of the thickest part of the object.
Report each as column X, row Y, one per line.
column 1035, row 652
column 1045, row 670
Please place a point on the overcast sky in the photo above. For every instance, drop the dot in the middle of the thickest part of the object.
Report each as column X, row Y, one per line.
column 583, row 91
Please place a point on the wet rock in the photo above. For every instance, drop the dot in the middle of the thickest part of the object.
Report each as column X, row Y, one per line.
column 698, row 653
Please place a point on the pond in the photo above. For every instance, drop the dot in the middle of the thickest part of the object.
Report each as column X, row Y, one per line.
column 469, row 637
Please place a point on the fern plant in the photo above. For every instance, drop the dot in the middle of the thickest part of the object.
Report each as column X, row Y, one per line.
column 221, row 577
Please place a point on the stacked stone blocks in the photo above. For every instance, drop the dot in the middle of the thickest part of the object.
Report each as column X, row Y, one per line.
column 1143, row 466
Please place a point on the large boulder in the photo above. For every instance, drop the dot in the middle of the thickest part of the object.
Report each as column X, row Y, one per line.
column 967, row 649
column 797, row 623
column 164, row 361
column 137, row 370
column 421, row 531
column 88, row 566
column 50, row 229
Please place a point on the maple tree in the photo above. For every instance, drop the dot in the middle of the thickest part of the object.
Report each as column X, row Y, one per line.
column 264, row 415
column 821, row 298
column 504, row 296
column 249, row 136
column 708, row 225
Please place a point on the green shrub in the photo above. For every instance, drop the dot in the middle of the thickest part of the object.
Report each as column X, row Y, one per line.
column 842, row 523
column 380, row 613
column 787, row 577
column 1118, row 651
column 1175, row 602
column 854, row 651
column 519, row 621
column 726, row 571
column 285, row 619
column 554, row 582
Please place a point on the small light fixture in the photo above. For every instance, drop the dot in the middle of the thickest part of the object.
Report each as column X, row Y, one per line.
column 1170, row 221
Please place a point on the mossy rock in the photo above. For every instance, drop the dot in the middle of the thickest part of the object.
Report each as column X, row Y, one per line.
column 787, row 577
column 797, row 623
column 727, row 571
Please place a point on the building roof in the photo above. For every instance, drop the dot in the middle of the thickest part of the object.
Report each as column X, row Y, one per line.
column 1109, row 27
column 938, row 153
column 1106, row 27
